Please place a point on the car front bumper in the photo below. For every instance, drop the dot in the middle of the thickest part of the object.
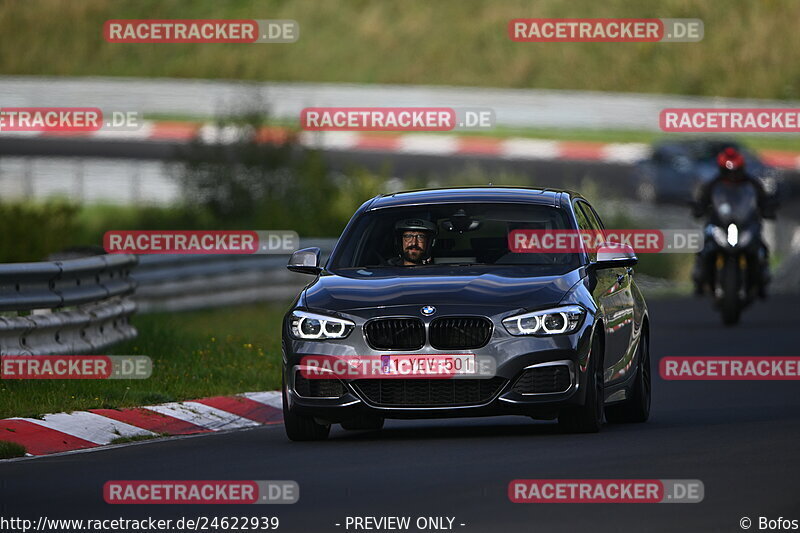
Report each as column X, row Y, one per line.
column 513, row 356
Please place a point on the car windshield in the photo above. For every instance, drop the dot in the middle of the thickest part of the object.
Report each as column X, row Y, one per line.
column 456, row 235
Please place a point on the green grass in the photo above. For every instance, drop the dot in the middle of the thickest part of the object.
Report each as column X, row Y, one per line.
column 11, row 449
column 195, row 354
column 747, row 50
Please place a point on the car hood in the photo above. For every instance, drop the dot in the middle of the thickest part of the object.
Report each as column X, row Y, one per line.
column 506, row 288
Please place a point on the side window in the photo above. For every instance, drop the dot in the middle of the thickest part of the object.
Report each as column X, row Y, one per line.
column 593, row 217
column 584, row 224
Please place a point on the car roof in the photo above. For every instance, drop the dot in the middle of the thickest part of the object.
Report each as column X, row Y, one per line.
column 482, row 194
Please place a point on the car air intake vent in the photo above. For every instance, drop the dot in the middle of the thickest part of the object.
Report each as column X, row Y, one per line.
column 429, row 392
column 318, row 388
column 544, row 380
column 395, row 333
column 458, row 333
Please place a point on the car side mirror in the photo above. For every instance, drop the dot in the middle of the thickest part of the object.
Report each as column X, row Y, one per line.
column 305, row 261
column 614, row 255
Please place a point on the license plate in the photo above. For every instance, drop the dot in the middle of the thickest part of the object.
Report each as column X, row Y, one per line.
column 427, row 365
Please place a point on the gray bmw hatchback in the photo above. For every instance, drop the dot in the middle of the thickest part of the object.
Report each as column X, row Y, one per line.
column 428, row 308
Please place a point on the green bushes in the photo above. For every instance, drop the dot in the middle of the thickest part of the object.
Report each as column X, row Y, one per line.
column 30, row 231
column 243, row 183
column 11, row 449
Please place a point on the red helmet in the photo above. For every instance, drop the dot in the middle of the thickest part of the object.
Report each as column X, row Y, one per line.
column 730, row 160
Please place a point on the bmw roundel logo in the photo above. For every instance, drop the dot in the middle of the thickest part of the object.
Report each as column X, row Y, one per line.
column 428, row 310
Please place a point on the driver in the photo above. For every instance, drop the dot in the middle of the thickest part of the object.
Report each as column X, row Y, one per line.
column 415, row 238
column 731, row 172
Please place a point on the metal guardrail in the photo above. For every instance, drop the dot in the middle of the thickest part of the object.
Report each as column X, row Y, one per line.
column 70, row 306
column 83, row 305
column 185, row 282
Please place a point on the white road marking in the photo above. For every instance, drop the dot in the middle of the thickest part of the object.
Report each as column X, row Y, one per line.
column 271, row 398
column 428, row 144
column 203, row 415
column 529, row 149
column 329, row 140
column 214, row 134
column 625, row 152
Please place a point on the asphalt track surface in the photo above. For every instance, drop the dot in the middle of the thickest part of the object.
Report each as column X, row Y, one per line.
column 739, row 438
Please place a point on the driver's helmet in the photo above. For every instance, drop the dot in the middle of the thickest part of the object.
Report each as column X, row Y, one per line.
column 416, row 224
column 731, row 163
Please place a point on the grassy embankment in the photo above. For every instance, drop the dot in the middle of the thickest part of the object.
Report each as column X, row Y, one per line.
column 195, row 354
column 450, row 42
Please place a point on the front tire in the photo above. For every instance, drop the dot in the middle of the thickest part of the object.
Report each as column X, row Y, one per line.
column 301, row 427
column 636, row 408
column 730, row 280
column 588, row 418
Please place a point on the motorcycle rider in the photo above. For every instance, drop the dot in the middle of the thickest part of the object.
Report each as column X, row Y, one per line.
column 731, row 173
column 415, row 238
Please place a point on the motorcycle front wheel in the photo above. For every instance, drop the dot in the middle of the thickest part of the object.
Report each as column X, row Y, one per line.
column 730, row 279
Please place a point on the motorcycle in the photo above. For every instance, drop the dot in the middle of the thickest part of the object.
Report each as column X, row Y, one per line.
column 735, row 251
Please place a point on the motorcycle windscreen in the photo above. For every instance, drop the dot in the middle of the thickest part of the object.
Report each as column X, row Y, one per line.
column 735, row 203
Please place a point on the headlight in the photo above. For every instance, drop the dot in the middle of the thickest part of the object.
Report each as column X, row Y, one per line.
column 546, row 322
column 313, row 326
column 733, row 234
